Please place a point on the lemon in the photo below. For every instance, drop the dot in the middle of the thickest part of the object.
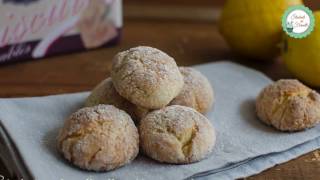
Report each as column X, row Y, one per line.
column 302, row 56
column 253, row 27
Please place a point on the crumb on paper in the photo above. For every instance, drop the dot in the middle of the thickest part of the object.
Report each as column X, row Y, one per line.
column 316, row 156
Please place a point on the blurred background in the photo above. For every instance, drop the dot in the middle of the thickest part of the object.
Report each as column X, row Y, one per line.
column 185, row 29
column 178, row 5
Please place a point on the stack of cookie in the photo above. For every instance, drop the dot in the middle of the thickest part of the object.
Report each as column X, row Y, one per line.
column 149, row 91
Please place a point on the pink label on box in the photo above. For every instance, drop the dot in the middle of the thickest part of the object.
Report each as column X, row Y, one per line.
column 38, row 28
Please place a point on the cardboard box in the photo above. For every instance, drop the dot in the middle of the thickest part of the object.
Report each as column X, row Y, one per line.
column 31, row 29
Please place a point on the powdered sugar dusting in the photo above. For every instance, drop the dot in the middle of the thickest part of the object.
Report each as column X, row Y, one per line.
column 196, row 93
column 176, row 134
column 146, row 76
column 105, row 93
column 99, row 138
column 288, row 105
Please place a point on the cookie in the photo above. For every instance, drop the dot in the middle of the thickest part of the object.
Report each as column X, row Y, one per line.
column 146, row 77
column 196, row 93
column 176, row 134
column 105, row 93
column 288, row 105
column 99, row 138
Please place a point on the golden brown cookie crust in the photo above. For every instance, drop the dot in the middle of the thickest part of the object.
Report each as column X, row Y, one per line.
column 196, row 93
column 99, row 138
column 105, row 93
column 288, row 105
column 176, row 134
column 146, row 77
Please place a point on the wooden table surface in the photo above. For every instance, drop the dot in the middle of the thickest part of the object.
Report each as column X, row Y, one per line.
column 188, row 41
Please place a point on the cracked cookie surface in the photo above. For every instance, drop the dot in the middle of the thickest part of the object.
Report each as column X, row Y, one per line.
column 105, row 93
column 288, row 105
column 146, row 77
column 99, row 138
column 196, row 93
column 176, row 134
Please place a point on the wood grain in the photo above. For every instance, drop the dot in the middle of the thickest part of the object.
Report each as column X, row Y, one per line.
column 313, row 4
column 189, row 41
column 181, row 13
